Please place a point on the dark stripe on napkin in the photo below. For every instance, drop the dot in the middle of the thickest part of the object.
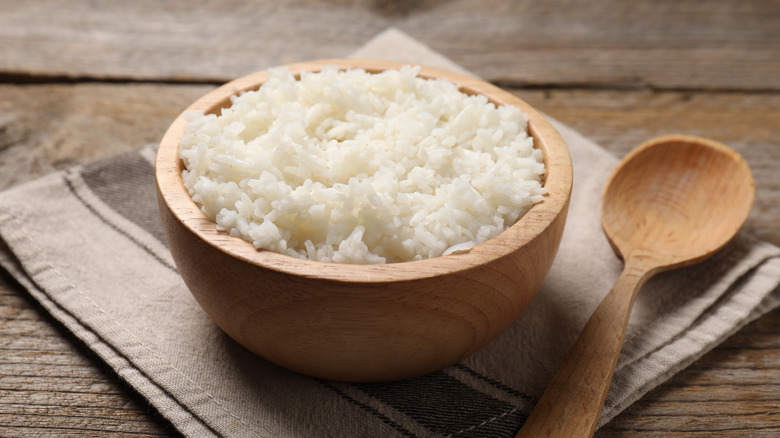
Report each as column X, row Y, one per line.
column 496, row 384
column 448, row 407
column 114, row 226
column 368, row 409
column 126, row 184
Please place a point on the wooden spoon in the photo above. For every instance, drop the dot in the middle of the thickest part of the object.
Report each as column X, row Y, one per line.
column 672, row 202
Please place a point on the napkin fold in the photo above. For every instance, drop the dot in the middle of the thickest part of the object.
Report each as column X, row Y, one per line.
column 87, row 244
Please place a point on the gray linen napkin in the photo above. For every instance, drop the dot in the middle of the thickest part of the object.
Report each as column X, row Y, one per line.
column 87, row 244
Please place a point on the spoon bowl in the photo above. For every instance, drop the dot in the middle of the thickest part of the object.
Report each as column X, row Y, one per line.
column 678, row 196
column 672, row 202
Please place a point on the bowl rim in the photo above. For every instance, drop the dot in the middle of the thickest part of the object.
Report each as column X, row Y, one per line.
column 558, row 180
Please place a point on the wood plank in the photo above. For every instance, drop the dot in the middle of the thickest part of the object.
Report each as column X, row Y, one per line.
column 48, row 127
column 657, row 44
column 51, row 385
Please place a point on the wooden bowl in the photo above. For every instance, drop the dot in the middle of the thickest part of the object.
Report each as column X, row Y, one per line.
column 363, row 322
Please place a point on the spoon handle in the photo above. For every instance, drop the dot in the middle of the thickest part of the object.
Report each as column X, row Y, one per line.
column 571, row 406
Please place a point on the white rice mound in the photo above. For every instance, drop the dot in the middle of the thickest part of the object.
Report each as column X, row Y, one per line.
column 353, row 167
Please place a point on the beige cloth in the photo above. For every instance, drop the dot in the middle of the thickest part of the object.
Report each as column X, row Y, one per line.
column 88, row 245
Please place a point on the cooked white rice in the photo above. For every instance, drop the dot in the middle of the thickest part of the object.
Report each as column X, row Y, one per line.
column 352, row 167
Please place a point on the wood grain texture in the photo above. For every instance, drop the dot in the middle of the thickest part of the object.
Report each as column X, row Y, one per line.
column 659, row 202
column 666, row 44
column 52, row 127
column 618, row 72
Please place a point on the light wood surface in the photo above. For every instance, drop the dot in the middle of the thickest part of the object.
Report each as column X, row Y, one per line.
column 84, row 82
column 400, row 319
column 670, row 203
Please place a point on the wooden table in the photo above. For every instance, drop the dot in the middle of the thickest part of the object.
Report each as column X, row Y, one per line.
column 93, row 79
